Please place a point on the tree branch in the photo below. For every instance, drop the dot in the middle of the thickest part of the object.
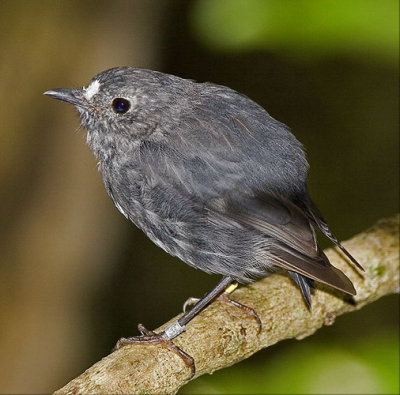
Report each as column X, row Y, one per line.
column 223, row 334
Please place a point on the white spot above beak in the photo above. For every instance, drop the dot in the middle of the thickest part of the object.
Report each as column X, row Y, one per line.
column 92, row 89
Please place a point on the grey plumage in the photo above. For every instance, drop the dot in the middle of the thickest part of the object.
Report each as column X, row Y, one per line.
column 207, row 174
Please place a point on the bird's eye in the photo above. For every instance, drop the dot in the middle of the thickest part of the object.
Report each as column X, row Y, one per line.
column 120, row 105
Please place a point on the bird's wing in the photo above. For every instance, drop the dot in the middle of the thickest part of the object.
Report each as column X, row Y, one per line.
column 295, row 247
column 226, row 144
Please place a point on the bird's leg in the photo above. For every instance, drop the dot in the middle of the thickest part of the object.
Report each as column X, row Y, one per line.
column 177, row 327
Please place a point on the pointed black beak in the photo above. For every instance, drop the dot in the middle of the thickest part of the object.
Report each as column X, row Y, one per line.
column 73, row 96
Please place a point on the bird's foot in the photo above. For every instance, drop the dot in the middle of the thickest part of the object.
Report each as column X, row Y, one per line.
column 163, row 338
column 248, row 310
column 225, row 298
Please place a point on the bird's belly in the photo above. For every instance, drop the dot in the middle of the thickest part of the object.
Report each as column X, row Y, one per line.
column 183, row 228
column 205, row 245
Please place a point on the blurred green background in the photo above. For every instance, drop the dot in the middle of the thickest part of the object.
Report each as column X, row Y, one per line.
column 75, row 275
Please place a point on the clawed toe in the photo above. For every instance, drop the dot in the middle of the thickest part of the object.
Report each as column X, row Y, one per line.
column 248, row 310
column 145, row 332
column 189, row 302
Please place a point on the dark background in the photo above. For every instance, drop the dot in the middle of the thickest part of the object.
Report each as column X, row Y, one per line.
column 75, row 275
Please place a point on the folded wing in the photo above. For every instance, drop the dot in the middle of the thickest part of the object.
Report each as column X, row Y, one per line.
column 294, row 245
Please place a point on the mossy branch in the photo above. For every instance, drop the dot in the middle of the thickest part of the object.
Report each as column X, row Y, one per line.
column 223, row 334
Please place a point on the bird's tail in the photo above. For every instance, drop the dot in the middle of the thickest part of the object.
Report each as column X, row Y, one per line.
column 316, row 217
column 305, row 284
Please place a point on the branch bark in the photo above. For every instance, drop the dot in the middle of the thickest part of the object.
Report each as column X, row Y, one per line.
column 223, row 334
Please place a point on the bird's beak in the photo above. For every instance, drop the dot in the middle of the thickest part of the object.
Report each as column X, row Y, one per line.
column 73, row 96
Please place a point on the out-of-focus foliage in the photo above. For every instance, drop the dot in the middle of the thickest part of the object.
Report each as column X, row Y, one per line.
column 367, row 366
column 301, row 27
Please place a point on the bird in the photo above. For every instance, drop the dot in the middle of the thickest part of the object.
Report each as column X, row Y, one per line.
column 209, row 176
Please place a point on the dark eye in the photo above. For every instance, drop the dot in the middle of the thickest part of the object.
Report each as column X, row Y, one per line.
column 120, row 105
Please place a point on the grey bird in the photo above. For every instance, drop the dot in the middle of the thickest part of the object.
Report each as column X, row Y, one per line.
column 209, row 176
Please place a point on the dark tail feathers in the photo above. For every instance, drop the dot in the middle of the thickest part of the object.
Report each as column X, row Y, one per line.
column 305, row 284
column 319, row 220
